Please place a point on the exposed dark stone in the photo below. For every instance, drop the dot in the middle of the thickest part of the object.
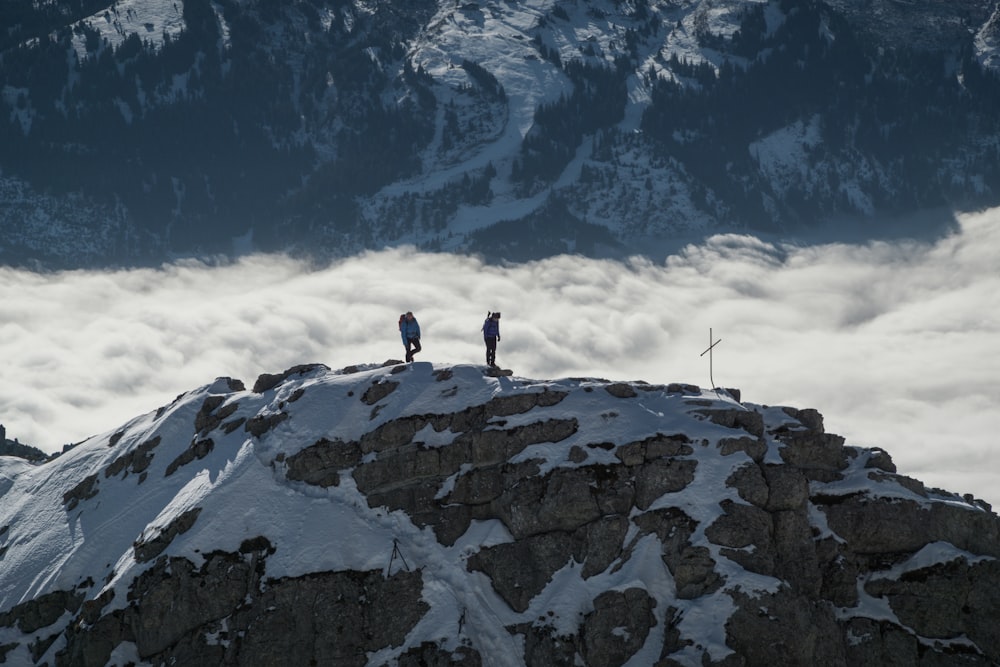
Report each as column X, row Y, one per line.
column 202, row 419
column 672, row 641
column 321, row 463
column 91, row 610
column 135, row 461
column 261, row 424
column 211, row 415
column 520, row 570
column 618, row 626
column 42, row 611
column 660, row 476
column 599, row 544
column 783, row 628
column 40, row 645
column 654, row 447
column 744, row 420
column 548, row 397
column 788, row 489
column 330, row 618
column 694, row 573
column 908, row 483
column 692, row 567
column 323, row 618
column 819, row 456
column 230, row 426
column 199, row 449
column 259, row 544
column 146, row 549
column 429, row 654
column 268, row 381
column 544, row 646
column 5, row 649
column 748, row 531
column 880, row 459
column 395, row 433
column 795, row 557
column 755, row 448
column 621, row 390
column 443, row 374
column 904, row 526
column 235, row 384
column 748, row 480
column 377, row 391
column 809, row 417
column 876, row 643
column 83, row 491
column 563, row 500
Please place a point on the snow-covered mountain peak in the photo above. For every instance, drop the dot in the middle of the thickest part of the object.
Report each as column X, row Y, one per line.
column 496, row 520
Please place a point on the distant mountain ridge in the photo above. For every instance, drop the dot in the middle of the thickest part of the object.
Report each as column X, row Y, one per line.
column 423, row 514
column 137, row 131
column 15, row 448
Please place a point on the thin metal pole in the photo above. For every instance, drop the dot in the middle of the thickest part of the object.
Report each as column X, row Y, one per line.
column 709, row 350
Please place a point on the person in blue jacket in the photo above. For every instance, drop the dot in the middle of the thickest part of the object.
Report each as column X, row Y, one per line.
column 409, row 330
column 491, row 334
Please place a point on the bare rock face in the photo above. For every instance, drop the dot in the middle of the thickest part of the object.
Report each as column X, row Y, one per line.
column 618, row 626
column 785, row 628
column 579, row 522
column 225, row 613
column 268, row 381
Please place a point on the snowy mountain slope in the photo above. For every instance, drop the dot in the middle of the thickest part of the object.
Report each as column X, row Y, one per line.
column 522, row 129
column 151, row 20
column 406, row 514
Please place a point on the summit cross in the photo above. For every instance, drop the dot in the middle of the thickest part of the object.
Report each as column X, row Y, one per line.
column 711, row 347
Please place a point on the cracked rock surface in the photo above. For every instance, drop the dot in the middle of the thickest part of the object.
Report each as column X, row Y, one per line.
column 437, row 515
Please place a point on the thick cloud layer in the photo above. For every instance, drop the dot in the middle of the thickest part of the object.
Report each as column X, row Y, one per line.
column 895, row 343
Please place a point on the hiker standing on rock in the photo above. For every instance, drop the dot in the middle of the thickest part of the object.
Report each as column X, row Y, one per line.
column 491, row 334
column 409, row 330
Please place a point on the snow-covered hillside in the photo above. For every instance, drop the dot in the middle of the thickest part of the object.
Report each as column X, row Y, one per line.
column 521, row 130
column 487, row 520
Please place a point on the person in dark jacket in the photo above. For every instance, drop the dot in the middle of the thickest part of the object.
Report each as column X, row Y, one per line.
column 491, row 334
column 409, row 331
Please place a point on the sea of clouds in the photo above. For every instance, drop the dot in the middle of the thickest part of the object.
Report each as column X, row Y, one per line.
column 896, row 343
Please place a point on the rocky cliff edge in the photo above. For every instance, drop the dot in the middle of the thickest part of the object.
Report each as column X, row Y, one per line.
column 437, row 515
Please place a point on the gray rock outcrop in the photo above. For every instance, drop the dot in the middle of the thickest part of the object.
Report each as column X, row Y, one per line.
column 579, row 531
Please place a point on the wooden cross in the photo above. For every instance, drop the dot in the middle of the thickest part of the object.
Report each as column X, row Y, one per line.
column 711, row 346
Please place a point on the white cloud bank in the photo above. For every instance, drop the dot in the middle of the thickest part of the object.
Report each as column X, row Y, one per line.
column 895, row 343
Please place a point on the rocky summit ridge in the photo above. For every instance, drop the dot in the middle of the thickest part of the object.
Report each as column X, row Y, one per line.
column 429, row 514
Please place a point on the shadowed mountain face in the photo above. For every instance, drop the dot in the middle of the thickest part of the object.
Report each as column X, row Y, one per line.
column 426, row 514
column 135, row 132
